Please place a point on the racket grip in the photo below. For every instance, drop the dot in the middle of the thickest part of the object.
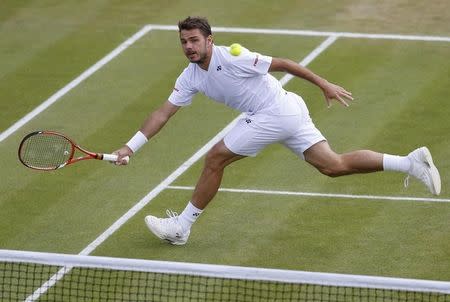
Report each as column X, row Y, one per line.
column 113, row 157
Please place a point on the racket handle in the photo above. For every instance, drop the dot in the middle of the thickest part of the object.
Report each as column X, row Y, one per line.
column 113, row 157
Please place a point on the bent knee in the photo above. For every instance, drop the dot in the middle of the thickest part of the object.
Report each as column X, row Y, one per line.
column 217, row 157
column 213, row 160
column 334, row 168
column 331, row 172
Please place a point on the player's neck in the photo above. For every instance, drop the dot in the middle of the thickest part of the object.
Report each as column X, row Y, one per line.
column 205, row 64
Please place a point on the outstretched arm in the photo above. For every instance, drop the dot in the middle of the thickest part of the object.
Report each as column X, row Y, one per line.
column 151, row 126
column 330, row 90
column 158, row 118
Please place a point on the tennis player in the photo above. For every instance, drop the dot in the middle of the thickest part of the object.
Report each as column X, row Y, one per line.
column 272, row 115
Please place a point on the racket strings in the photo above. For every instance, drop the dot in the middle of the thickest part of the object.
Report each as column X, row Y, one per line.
column 45, row 151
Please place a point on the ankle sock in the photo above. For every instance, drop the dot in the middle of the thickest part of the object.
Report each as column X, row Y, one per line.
column 189, row 216
column 396, row 163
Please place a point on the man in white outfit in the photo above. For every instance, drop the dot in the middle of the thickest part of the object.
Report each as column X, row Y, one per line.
column 273, row 115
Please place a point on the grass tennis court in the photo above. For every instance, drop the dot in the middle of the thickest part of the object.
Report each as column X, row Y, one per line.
column 401, row 90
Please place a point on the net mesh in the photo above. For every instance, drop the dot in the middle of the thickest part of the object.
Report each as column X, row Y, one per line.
column 45, row 150
column 21, row 281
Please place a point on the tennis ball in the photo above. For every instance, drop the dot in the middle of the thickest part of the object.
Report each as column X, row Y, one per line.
column 235, row 49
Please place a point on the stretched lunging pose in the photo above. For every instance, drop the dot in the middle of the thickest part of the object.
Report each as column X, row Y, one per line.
column 273, row 115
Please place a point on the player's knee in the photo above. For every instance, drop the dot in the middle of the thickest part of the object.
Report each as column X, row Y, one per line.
column 330, row 172
column 334, row 168
column 214, row 159
column 211, row 162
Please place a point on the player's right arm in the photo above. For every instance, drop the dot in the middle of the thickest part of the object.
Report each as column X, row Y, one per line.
column 151, row 126
column 158, row 118
column 181, row 96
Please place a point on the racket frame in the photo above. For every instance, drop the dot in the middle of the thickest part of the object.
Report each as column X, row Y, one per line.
column 71, row 160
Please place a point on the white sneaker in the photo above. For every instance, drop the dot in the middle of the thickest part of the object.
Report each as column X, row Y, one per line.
column 422, row 168
column 168, row 229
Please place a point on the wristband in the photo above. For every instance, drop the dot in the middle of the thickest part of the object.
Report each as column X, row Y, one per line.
column 137, row 141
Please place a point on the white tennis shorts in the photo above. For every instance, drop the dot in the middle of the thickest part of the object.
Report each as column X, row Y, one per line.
column 253, row 133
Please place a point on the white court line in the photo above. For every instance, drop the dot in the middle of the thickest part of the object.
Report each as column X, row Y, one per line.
column 159, row 188
column 309, row 58
column 312, row 194
column 55, row 97
column 149, row 27
column 313, row 33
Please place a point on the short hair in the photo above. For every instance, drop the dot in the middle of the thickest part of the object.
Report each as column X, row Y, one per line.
column 200, row 23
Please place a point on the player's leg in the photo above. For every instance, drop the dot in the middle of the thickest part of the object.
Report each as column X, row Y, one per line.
column 310, row 144
column 418, row 163
column 209, row 182
column 247, row 138
column 237, row 144
column 176, row 228
column 332, row 164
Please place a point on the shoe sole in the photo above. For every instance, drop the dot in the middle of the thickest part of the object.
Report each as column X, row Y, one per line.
column 175, row 242
column 435, row 177
column 149, row 226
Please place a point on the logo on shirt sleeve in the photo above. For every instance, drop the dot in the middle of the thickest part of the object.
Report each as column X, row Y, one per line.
column 176, row 89
column 256, row 60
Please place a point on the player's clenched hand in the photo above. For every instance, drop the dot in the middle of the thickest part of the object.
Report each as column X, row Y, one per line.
column 124, row 155
column 332, row 91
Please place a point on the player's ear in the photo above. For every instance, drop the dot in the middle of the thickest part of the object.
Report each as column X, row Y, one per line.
column 209, row 40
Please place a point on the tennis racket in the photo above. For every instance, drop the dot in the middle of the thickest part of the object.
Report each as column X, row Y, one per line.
column 50, row 150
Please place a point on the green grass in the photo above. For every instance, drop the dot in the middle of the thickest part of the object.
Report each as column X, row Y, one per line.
column 400, row 88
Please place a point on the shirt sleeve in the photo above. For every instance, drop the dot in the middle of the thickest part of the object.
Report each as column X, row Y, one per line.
column 183, row 92
column 249, row 64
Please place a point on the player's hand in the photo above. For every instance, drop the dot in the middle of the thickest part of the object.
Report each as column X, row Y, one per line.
column 332, row 91
column 124, row 155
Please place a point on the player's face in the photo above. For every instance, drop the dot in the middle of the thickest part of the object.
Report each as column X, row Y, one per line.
column 195, row 46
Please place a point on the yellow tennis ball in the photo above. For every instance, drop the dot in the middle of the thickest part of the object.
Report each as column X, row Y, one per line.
column 235, row 49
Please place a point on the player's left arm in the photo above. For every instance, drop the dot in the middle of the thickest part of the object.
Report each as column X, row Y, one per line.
column 330, row 90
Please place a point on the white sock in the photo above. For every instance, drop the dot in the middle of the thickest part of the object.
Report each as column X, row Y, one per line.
column 396, row 163
column 189, row 216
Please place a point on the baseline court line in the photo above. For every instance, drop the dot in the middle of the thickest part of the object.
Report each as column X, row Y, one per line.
column 159, row 188
column 312, row 194
column 309, row 58
column 149, row 27
column 313, row 33
column 63, row 91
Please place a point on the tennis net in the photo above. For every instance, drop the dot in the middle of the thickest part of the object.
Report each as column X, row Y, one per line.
column 32, row 276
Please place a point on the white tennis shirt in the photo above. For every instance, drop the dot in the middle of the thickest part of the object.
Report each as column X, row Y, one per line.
column 240, row 82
